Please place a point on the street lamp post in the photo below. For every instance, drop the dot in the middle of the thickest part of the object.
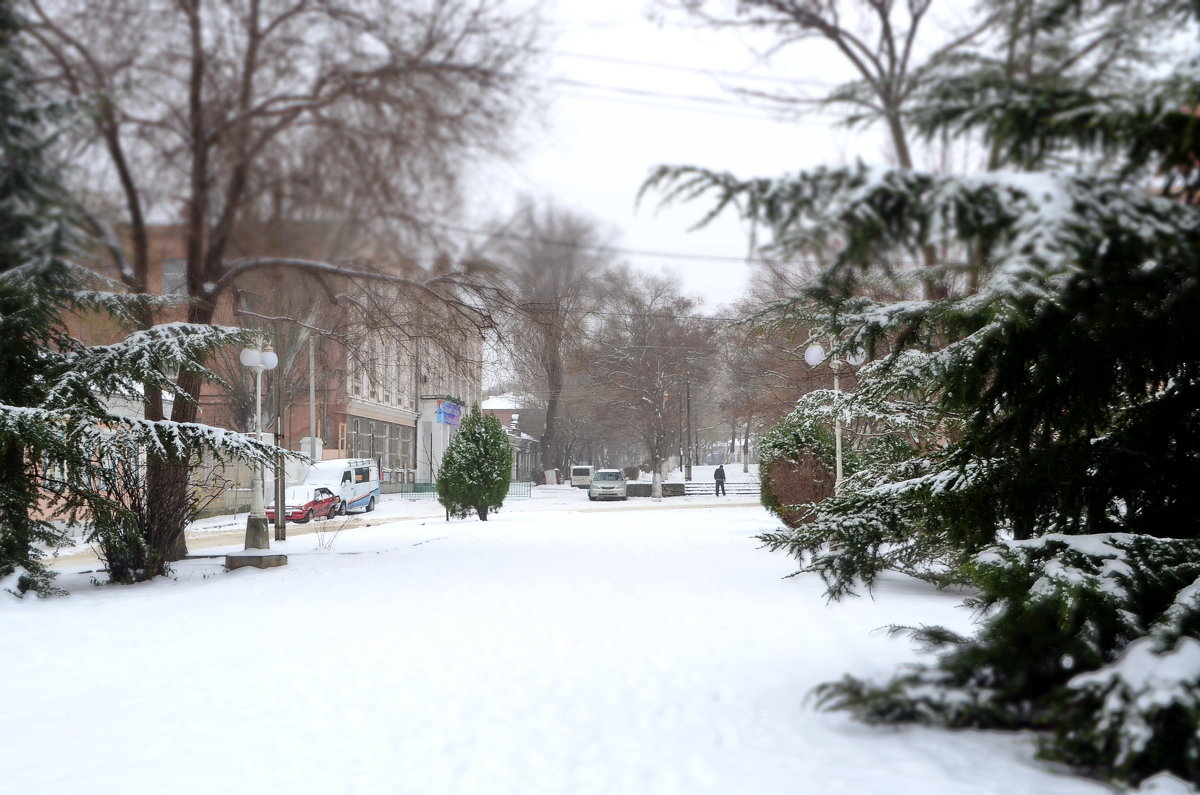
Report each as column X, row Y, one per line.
column 258, row 359
column 814, row 354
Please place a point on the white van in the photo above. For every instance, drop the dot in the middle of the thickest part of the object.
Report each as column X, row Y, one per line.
column 581, row 477
column 354, row 480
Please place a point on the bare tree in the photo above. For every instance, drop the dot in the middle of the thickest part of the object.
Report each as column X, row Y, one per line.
column 641, row 354
column 238, row 109
column 900, row 51
column 554, row 263
column 881, row 40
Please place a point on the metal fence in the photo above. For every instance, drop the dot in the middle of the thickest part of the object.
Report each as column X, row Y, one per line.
column 517, row 490
column 731, row 487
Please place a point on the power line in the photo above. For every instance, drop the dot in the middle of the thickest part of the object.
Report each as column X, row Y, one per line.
column 642, row 92
column 748, row 109
column 690, row 69
column 747, row 113
column 617, row 250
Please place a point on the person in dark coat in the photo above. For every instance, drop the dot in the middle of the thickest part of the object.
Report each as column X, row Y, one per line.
column 719, row 477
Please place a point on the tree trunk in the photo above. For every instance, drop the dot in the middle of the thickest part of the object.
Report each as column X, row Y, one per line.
column 550, row 443
column 167, row 482
column 167, row 500
column 746, row 448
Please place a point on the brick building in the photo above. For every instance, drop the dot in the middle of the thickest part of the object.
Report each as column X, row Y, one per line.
column 379, row 392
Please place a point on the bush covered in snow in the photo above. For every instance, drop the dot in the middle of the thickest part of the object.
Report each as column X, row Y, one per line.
column 1087, row 638
column 796, row 468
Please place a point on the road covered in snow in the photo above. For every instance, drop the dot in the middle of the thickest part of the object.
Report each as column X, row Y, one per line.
column 561, row 647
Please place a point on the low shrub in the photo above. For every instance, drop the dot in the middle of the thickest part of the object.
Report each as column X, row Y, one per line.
column 1090, row 640
column 796, row 469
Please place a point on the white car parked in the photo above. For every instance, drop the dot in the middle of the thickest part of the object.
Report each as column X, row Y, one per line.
column 608, row 484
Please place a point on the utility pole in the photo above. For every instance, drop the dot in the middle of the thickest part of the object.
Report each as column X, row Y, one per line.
column 280, row 485
column 687, row 472
column 682, row 445
column 312, row 395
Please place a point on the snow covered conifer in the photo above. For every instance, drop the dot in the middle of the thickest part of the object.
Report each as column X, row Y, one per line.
column 1062, row 393
column 30, row 276
column 57, row 435
column 1061, row 380
column 476, row 467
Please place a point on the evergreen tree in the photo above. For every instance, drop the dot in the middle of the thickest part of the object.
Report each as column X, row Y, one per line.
column 58, row 439
column 1053, row 460
column 475, row 469
column 30, row 278
column 1063, row 390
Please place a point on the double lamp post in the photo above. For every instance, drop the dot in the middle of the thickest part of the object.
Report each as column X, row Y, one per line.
column 258, row 359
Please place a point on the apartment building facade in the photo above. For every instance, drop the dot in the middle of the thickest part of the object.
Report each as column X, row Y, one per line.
column 402, row 403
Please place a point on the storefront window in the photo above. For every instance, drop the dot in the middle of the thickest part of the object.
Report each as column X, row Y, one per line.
column 408, row 447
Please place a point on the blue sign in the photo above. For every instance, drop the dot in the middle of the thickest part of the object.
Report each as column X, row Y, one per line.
column 449, row 413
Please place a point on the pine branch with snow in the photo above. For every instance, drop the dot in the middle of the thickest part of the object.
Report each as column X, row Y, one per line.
column 1058, row 381
column 1104, row 668
column 59, row 440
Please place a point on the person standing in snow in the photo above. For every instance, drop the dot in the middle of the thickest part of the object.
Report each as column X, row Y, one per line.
column 719, row 477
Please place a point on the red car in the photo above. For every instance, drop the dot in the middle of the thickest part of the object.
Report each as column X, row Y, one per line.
column 305, row 503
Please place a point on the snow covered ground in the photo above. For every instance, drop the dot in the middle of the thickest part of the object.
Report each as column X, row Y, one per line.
column 561, row 647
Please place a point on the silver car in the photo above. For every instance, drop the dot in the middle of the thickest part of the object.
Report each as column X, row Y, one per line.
column 608, row 484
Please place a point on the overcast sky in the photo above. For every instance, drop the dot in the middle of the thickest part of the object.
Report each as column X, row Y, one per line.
column 627, row 93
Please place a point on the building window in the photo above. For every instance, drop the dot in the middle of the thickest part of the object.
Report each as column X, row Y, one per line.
column 401, row 382
column 410, row 447
column 353, row 375
column 371, row 388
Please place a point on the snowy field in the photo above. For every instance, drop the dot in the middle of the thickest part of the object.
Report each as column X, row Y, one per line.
column 561, row 647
